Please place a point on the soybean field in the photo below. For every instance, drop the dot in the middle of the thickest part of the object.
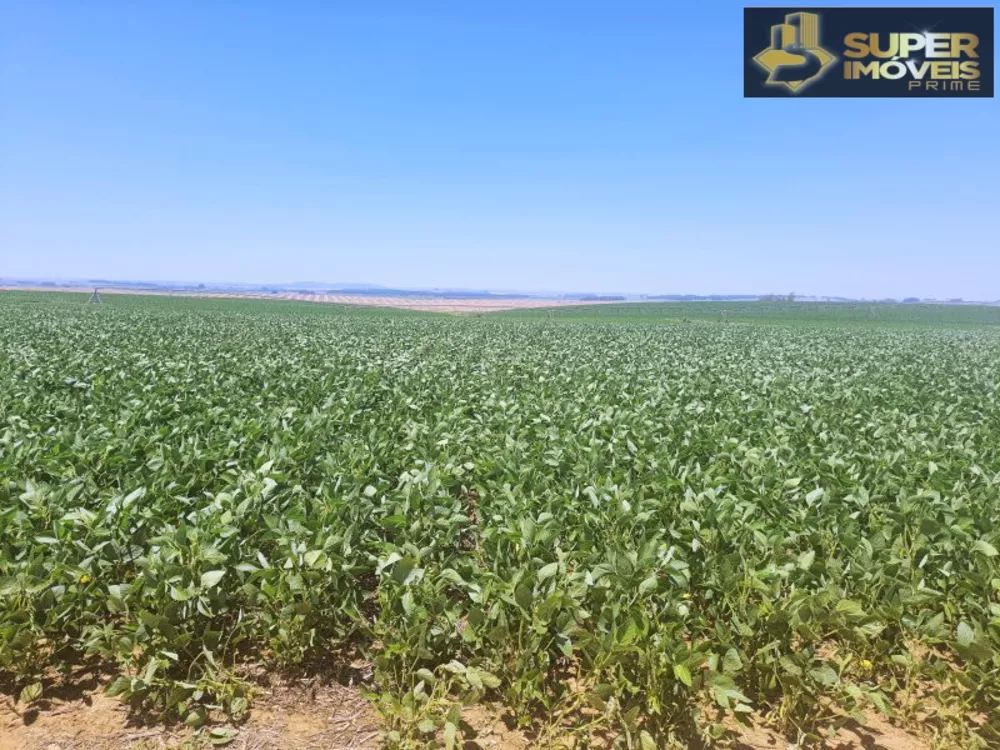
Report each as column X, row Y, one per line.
column 629, row 530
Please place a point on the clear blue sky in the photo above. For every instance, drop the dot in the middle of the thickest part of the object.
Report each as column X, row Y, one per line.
column 583, row 146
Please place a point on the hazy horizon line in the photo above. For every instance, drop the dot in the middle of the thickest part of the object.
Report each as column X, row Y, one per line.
column 347, row 286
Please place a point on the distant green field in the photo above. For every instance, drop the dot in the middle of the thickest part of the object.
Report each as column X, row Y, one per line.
column 791, row 313
column 178, row 303
column 822, row 313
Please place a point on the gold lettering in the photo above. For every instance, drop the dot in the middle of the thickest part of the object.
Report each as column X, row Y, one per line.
column 856, row 46
column 893, row 70
column 871, row 69
column 966, row 43
column 970, row 70
column 891, row 51
column 938, row 45
column 941, row 69
column 910, row 43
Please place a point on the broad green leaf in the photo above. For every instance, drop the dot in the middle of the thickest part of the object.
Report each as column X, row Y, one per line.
column 30, row 692
column 965, row 635
column 984, row 547
column 547, row 571
column 682, row 673
column 815, row 495
column 806, row 559
column 211, row 578
column 731, row 662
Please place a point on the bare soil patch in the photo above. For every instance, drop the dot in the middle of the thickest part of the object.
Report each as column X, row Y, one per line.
column 425, row 304
column 877, row 734
column 306, row 715
column 77, row 715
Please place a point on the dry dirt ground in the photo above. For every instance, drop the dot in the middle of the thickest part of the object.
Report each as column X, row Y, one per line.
column 78, row 716
column 427, row 304
column 300, row 715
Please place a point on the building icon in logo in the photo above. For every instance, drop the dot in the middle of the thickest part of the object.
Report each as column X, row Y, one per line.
column 794, row 59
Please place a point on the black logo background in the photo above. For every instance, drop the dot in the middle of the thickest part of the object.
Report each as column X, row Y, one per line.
column 836, row 23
